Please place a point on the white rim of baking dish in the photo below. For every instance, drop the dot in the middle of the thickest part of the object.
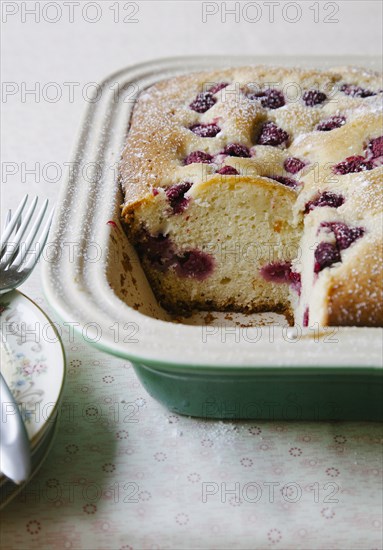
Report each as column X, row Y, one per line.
column 81, row 295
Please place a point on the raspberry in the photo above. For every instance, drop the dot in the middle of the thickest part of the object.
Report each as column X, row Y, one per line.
column 331, row 123
column 271, row 134
column 227, row 171
column 375, row 148
column 353, row 164
column 356, row 91
column 218, row 87
column 289, row 182
column 237, row 150
column 295, row 281
column 280, row 272
column 158, row 249
column 205, row 130
column 194, row 264
column 313, row 97
column 344, row 235
column 293, row 165
column 325, row 199
column 198, row 156
column 306, row 317
column 203, row 102
column 176, row 196
column 270, row 99
column 277, row 272
column 325, row 255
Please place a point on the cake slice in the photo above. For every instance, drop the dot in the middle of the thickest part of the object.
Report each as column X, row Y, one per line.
column 202, row 250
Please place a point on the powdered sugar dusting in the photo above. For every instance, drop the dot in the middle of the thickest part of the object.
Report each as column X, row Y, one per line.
column 162, row 137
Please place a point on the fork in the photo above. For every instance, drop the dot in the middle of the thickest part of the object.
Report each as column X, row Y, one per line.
column 14, row 264
column 15, row 452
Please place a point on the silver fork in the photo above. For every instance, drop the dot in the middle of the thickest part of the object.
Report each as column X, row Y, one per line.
column 15, row 267
column 14, row 264
column 15, row 454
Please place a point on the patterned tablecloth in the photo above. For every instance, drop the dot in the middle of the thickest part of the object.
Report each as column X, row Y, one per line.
column 124, row 473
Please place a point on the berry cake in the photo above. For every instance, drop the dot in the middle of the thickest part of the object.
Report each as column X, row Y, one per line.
column 260, row 189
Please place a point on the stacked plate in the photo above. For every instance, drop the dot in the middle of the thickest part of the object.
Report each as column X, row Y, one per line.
column 33, row 365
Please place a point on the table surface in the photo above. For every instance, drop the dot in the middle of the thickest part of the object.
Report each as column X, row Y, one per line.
column 138, row 476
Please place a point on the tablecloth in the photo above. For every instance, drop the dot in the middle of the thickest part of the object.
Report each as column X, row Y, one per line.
column 125, row 473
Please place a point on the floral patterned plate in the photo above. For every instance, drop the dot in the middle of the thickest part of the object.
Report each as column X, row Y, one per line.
column 32, row 362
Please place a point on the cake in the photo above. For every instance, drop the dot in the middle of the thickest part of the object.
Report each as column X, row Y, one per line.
column 260, row 189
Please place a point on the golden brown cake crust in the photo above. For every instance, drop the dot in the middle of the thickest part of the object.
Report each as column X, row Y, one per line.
column 356, row 291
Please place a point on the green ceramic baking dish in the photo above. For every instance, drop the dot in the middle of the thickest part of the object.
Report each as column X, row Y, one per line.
column 210, row 366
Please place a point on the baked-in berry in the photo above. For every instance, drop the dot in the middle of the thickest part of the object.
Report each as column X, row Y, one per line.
column 270, row 99
column 194, row 264
column 325, row 199
column 237, row 150
column 293, row 165
column 228, row 171
column 158, row 249
column 331, row 123
column 203, row 102
column 305, row 320
column 289, row 182
column 344, row 234
column 356, row 163
column 356, row 91
column 271, row 134
column 375, row 148
column 295, row 281
column 198, row 156
column 205, row 130
column 325, row 255
column 278, row 272
column 176, row 196
column 313, row 97
column 218, row 87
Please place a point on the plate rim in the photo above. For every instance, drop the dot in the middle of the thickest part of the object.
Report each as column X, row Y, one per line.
column 35, row 439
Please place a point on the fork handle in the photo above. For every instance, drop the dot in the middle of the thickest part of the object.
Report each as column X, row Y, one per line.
column 15, row 454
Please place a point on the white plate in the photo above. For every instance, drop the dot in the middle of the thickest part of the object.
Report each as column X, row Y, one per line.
column 88, row 283
column 33, row 362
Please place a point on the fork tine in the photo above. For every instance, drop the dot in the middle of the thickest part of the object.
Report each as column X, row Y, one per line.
column 42, row 239
column 12, row 248
column 23, row 251
column 8, row 231
column 9, row 217
column 19, row 222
